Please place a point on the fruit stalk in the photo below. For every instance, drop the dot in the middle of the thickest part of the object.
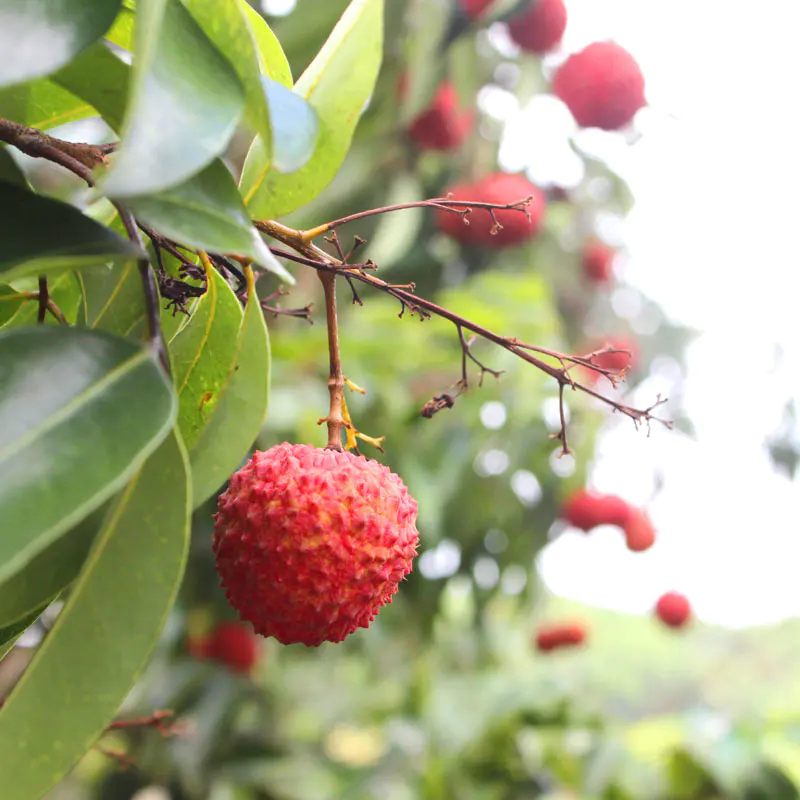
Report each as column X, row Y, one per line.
column 335, row 419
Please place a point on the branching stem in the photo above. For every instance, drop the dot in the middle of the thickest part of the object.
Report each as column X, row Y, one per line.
column 335, row 418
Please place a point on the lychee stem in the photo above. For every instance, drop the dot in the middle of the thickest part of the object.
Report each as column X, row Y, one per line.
column 335, row 419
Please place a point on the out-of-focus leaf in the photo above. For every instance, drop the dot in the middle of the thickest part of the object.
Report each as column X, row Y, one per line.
column 10, row 634
column 241, row 408
column 203, row 354
column 66, row 393
column 272, row 59
column 207, row 212
column 69, row 240
column 185, row 102
column 9, row 171
column 42, row 104
column 337, row 85
column 39, row 36
column 105, row 633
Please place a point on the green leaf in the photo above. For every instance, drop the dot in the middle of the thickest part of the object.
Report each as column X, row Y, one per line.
column 271, row 57
column 185, row 102
column 10, row 302
column 9, row 171
column 49, row 573
column 202, row 356
column 337, row 85
column 41, row 235
column 42, row 104
column 105, row 633
column 39, row 36
column 207, row 212
column 64, row 292
column 240, row 411
column 100, row 78
column 295, row 128
column 112, row 299
column 79, row 412
column 10, row 634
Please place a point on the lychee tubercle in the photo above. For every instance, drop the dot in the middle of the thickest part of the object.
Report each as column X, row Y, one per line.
column 311, row 543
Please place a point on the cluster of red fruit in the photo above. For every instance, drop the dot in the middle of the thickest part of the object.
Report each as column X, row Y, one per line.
column 587, row 510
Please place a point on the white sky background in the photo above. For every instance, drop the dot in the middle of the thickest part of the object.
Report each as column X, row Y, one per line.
column 712, row 239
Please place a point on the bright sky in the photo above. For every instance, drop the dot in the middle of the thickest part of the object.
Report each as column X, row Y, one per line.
column 713, row 240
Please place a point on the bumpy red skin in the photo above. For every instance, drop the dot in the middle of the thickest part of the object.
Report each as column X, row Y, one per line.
column 500, row 188
column 443, row 126
column 597, row 261
column 474, row 8
column 640, row 535
column 673, row 609
column 587, row 510
column 311, row 543
column 541, row 27
column 602, row 86
column 557, row 635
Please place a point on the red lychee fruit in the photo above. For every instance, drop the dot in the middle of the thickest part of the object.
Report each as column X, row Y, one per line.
column 556, row 635
column 311, row 543
column 541, row 27
column 597, row 261
column 443, row 125
column 501, row 188
column 639, row 531
column 586, row 510
column 601, row 85
column 627, row 355
column 230, row 643
column 474, row 8
column 673, row 609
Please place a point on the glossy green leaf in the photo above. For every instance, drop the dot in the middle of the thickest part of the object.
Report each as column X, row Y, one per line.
column 105, row 633
column 10, row 302
column 295, row 127
column 9, row 171
column 69, row 240
column 185, row 102
column 49, row 573
column 240, row 411
column 39, row 36
column 42, row 104
column 79, row 412
column 207, row 212
column 100, row 78
column 271, row 57
column 203, row 354
column 223, row 21
column 112, row 299
column 337, row 85
column 10, row 633
column 63, row 290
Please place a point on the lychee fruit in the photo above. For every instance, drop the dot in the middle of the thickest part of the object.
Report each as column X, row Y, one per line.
column 626, row 355
column 639, row 532
column 597, row 261
column 541, row 27
column 311, row 543
column 586, row 510
column 601, row 85
column 443, row 125
column 553, row 636
column 500, row 188
column 474, row 8
column 230, row 643
column 673, row 609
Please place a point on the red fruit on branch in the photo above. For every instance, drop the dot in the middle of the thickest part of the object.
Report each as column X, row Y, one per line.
column 443, row 125
column 626, row 355
column 541, row 27
column 639, row 531
column 230, row 643
column 311, row 543
column 474, row 8
column 673, row 609
column 557, row 635
column 597, row 261
column 601, row 85
column 501, row 188
column 586, row 510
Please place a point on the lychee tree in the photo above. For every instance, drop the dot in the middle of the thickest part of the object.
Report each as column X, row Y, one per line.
column 167, row 182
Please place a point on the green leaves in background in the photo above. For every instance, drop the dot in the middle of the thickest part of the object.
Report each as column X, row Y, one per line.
column 39, row 36
column 9, row 171
column 105, row 633
column 337, row 85
column 241, row 407
column 79, row 411
column 271, row 58
column 202, row 356
column 207, row 212
column 185, row 102
column 41, row 235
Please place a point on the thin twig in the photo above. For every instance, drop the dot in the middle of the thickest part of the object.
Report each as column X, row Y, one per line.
column 334, row 419
column 44, row 297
